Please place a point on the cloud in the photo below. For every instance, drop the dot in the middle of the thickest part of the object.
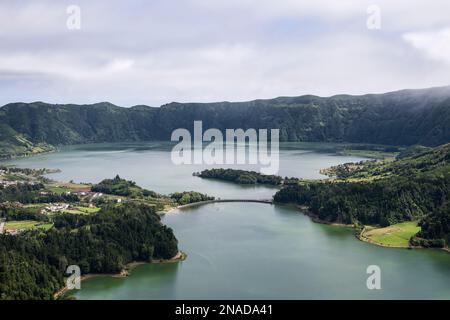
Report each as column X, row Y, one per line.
column 61, row 65
column 399, row 14
column 434, row 44
column 154, row 52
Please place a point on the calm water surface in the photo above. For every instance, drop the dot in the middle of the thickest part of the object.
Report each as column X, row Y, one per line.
column 247, row 250
column 150, row 165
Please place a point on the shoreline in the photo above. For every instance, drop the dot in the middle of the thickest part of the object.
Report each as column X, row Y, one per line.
column 181, row 256
column 27, row 155
column 360, row 236
column 169, row 210
column 306, row 212
column 125, row 272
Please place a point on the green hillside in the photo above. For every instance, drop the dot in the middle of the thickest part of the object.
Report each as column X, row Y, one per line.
column 13, row 144
column 406, row 117
column 103, row 242
column 383, row 193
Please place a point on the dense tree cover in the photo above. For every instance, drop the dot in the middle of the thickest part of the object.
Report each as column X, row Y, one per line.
column 241, row 176
column 122, row 187
column 24, row 193
column 32, row 264
column 435, row 228
column 24, row 276
column 115, row 236
column 11, row 212
column 32, row 193
column 420, row 162
column 189, row 197
column 380, row 193
column 382, row 202
column 411, row 151
column 404, row 117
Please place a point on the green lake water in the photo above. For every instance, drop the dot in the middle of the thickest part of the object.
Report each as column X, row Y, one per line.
column 247, row 250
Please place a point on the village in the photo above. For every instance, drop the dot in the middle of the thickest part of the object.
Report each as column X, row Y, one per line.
column 6, row 181
column 29, row 200
column 72, row 199
column 15, row 227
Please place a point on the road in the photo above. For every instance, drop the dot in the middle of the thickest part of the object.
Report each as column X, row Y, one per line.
column 223, row 200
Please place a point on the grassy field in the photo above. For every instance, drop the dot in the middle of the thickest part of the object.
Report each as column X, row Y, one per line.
column 82, row 210
column 88, row 210
column 58, row 190
column 45, row 226
column 62, row 187
column 27, row 224
column 397, row 235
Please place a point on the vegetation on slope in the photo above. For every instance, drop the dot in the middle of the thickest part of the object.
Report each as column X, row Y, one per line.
column 13, row 144
column 122, row 187
column 126, row 188
column 404, row 117
column 382, row 193
column 435, row 228
column 47, row 226
column 33, row 263
column 33, row 193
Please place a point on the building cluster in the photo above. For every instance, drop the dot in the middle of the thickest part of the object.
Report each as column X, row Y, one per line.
column 55, row 208
column 7, row 183
column 14, row 232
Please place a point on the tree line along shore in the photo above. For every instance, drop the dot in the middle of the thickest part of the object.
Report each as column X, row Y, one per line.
column 402, row 201
column 394, row 202
column 105, row 228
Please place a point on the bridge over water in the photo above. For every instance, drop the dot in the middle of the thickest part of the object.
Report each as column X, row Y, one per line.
column 200, row 203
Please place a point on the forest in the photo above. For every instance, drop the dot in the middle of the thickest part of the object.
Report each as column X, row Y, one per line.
column 122, row 187
column 187, row 197
column 401, row 118
column 435, row 228
column 383, row 193
column 32, row 193
column 33, row 263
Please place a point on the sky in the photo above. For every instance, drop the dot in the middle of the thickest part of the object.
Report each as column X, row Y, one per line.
column 155, row 52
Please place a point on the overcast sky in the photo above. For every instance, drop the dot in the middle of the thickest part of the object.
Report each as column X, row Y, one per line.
column 154, row 52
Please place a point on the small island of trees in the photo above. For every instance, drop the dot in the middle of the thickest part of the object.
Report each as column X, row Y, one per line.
column 240, row 176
